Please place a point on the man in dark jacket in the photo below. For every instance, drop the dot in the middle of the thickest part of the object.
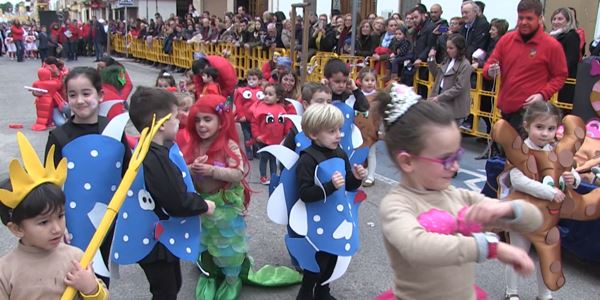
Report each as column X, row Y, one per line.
column 424, row 41
column 98, row 37
column 476, row 28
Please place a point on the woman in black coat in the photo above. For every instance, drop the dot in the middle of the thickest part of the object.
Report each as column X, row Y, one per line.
column 365, row 41
column 565, row 31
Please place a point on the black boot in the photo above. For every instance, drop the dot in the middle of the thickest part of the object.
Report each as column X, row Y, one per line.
column 322, row 292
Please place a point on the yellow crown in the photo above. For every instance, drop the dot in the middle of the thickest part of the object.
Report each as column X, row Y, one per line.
column 23, row 180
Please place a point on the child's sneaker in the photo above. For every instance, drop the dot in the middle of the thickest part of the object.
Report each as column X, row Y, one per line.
column 264, row 180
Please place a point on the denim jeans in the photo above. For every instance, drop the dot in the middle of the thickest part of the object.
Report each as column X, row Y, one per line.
column 250, row 150
column 265, row 158
column 20, row 50
column 73, row 50
column 43, row 54
column 98, row 49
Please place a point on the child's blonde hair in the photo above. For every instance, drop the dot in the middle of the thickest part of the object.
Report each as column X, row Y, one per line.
column 182, row 99
column 319, row 117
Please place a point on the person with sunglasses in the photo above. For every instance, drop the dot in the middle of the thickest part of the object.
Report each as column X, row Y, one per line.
column 433, row 231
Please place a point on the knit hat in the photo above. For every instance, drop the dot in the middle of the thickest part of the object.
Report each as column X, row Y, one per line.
column 284, row 61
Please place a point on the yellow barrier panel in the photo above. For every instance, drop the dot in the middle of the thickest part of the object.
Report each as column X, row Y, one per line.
column 484, row 95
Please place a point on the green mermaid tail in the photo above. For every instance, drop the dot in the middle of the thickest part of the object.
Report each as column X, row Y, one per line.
column 224, row 233
column 226, row 260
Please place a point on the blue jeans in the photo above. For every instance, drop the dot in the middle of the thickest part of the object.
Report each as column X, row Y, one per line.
column 250, row 150
column 264, row 158
column 66, row 50
column 43, row 54
column 73, row 50
column 20, row 50
column 98, row 49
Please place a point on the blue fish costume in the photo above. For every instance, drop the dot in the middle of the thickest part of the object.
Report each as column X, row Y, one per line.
column 331, row 225
column 94, row 169
column 138, row 228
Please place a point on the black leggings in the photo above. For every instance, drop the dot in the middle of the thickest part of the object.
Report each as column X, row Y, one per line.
column 164, row 279
column 312, row 287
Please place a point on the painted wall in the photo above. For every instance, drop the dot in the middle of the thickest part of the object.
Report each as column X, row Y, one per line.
column 215, row 7
column 505, row 9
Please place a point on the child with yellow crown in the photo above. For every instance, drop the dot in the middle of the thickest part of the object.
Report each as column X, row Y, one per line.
column 32, row 207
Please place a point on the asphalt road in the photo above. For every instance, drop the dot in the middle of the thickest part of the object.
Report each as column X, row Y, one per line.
column 369, row 273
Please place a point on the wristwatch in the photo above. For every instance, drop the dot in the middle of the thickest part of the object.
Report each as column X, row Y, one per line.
column 492, row 241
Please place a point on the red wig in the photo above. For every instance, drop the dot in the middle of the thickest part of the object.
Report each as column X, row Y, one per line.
column 219, row 149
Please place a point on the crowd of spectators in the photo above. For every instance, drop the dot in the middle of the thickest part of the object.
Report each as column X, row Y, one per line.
column 399, row 44
column 68, row 39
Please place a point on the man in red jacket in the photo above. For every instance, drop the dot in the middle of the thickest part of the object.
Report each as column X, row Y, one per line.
column 532, row 64
column 84, row 39
column 72, row 35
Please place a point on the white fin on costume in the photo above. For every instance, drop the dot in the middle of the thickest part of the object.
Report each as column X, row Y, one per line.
column 297, row 105
column 99, row 266
column 286, row 156
column 95, row 215
column 297, row 120
column 319, row 184
column 344, row 230
column 357, row 139
column 116, row 126
column 276, row 206
column 350, row 101
column 340, row 268
column 298, row 217
column 105, row 106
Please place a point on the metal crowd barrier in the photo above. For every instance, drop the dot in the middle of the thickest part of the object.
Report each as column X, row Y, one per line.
column 244, row 59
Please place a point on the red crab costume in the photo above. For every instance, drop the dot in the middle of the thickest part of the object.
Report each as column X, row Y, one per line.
column 267, row 123
column 44, row 103
column 244, row 98
column 227, row 76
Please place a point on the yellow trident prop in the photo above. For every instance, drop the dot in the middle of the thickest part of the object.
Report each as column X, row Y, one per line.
column 117, row 200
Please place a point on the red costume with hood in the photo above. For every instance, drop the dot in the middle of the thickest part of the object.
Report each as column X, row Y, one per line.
column 245, row 97
column 45, row 102
column 227, row 76
column 267, row 122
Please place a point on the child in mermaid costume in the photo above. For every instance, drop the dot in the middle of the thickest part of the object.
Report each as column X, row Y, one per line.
column 218, row 169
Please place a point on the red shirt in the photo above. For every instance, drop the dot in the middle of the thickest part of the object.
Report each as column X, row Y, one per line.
column 17, row 33
column 74, row 31
column 85, row 31
column 538, row 66
column 266, row 70
column 211, row 88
